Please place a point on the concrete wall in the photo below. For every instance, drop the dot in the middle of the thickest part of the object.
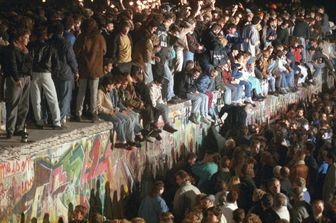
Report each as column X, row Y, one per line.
column 82, row 167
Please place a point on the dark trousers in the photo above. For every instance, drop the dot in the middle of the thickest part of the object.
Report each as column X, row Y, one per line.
column 17, row 103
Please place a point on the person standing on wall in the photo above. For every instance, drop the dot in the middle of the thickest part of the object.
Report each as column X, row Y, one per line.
column 90, row 49
column 17, row 69
column 44, row 63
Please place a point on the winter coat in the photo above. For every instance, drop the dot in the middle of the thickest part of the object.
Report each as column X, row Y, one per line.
column 67, row 62
column 90, row 49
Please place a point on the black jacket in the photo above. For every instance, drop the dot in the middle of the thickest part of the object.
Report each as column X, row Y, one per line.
column 67, row 63
column 44, row 57
column 17, row 64
column 184, row 83
column 301, row 29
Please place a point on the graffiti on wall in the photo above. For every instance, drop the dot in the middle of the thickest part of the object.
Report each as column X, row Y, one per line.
column 51, row 184
column 89, row 172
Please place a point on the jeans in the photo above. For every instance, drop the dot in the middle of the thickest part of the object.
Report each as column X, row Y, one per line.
column 64, row 95
column 17, row 103
column 93, row 85
column 148, row 75
column 233, row 92
column 255, row 84
column 248, row 88
column 161, row 109
column 168, row 83
column 119, row 125
column 289, row 77
column 199, row 103
column 271, row 83
column 43, row 82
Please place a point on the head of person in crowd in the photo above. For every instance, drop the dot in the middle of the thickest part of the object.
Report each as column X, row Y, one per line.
column 232, row 197
column 166, row 217
column 108, row 65
column 318, row 208
column 252, row 218
column 107, row 83
column 195, row 72
column 208, row 202
column 79, row 213
column 280, row 200
column 125, row 27
column 157, row 189
column 182, row 177
column 137, row 73
column 274, row 186
column 21, row 38
column 215, row 215
column 194, row 216
column 216, row 28
column 266, row 201
column 238, row 215
column 89, row 27
column 191, row 158
column 257, row 195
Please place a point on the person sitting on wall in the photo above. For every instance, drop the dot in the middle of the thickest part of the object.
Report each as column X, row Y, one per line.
column 124, row 126
column 160, row 108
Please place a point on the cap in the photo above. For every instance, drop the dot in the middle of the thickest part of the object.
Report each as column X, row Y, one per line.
column 210, row 197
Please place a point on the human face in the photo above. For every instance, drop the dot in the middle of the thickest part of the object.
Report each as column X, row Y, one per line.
column 125, row 30
column 318, row 208
column 78, row 216
column 110, row 27
column 24, row 40
column 108, row 67
column 212, row 218
column 196, row 75
column 275, row 187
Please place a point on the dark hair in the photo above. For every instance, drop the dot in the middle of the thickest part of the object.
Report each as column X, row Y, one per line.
column 107, row 61
column 58, row 28
column 216, row 211
column 68, row 22
column 267, row 200
column 183, row 175
column 232, row 196
column 80, row 208
column 238, row 215
column 158, row 185
column 107, row 80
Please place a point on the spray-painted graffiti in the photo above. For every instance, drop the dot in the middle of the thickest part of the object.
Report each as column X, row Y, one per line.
column 88, row 171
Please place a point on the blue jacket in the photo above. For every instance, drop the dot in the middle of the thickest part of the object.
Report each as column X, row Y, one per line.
column 236, row 73
column 205, row 83
column 151, row 208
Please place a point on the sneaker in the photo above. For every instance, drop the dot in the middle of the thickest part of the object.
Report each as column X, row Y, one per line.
column 39, row 126
column 136, row 144
column 78, row 118
column 95, row 119
column 9, row 135
column 57, row 127
column 18, row 133
column 193, row 119
column 205, row 121
column 169, row 128
column 120, row 145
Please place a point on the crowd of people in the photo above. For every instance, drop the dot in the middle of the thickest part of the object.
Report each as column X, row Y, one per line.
column 126, row 63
